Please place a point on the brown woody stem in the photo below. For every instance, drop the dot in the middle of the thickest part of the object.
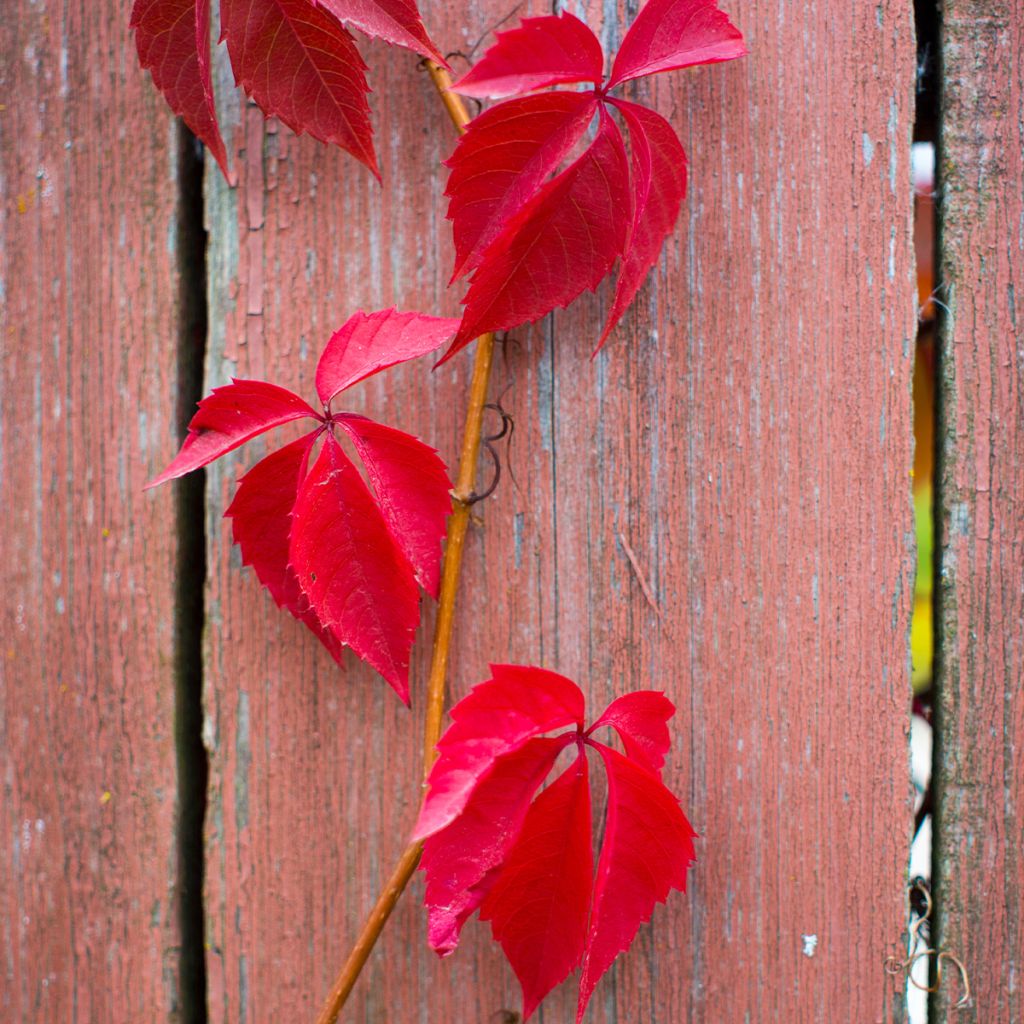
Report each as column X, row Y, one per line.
column 458, row 524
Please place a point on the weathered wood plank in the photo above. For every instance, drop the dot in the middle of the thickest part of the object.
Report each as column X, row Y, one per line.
column 88, row 314
column 748, row 435
column 980, row 769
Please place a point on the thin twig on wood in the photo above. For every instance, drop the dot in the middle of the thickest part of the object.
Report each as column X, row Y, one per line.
column 641, row 579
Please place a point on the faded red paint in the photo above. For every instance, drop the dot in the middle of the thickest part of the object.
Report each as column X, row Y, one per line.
column 748, row 432
column 88, row 299
column 981, row 513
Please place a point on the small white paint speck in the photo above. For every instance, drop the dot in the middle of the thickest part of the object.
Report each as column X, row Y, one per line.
column 810, row 944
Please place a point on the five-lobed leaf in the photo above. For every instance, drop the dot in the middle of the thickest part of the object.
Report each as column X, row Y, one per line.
column 341, row 559
column 530, row 871
column 524, row 233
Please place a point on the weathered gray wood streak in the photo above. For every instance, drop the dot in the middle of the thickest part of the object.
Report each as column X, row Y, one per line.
column 981, row 514
column 747, row 433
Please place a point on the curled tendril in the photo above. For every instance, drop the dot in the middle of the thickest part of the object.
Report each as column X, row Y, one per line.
column 920, row 894
column 508, row 426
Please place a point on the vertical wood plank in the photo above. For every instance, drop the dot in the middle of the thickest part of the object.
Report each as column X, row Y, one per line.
column 980, row 767
column 88, row 315
column 748, row 435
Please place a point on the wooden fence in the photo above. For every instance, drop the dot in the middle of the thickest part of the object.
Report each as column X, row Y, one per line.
column 744, row 444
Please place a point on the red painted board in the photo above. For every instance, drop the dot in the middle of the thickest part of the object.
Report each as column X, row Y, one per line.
column 89, row 324
column 980, row 769
column 746, row 436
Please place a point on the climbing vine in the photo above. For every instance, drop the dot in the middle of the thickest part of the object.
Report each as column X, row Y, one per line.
column 551, row 189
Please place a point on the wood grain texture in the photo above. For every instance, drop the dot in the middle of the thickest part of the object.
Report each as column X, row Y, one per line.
column 980, row 769
column 747, row 434
column 88, row 313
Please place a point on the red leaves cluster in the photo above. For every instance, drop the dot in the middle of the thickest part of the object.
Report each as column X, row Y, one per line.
column 526, row 861
column 533, row 234
column 535, row 239
column 295, row 58
column 340, row 560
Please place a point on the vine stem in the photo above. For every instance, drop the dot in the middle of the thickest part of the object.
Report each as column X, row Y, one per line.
column 458, row 525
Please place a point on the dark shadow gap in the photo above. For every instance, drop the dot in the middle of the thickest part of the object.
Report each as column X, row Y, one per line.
column 190, row 575
column 924, row 883
column 931, row 23
column 926, row 110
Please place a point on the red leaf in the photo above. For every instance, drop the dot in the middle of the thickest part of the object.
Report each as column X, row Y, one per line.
column 531, row 875
column 648, row 848
column 540, row 52
column 412, row 488
column 539, row 904
column 342, row 562
column 229, row 417
column 535, row 244
column 504, row 157
column 394, row 21
column 561, row 243
column 351, row 569
column 173, row 40
column 670, row 34
column 370, row 342
column 461, row 860
column 261, row 515
column 659, row 185
column 492, row 720
column 641, row 720
column 299, row 64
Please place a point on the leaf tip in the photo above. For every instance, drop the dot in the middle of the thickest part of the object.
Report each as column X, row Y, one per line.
column 170, row 473
column 230, row 176
column 401, row 687
column 454, row 348
column 367, row 156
